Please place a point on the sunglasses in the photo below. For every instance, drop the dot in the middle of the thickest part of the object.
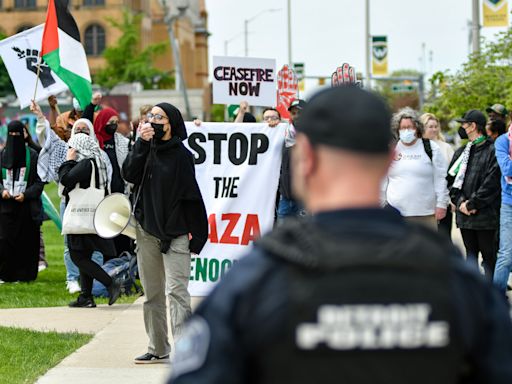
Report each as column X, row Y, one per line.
column 156, row 116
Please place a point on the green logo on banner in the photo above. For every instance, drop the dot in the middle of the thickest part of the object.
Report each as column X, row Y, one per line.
column 209, row 270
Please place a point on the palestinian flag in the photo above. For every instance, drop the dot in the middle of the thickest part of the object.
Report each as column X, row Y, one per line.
column 63, row 52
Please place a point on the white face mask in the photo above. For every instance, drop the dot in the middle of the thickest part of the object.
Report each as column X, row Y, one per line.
column 407, row 136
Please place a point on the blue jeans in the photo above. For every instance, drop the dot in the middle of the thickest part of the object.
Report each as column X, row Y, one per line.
column 504, row 261
column 72, row 272
column 288, row 208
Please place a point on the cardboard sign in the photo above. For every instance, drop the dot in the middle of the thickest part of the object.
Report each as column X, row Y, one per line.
column 237, row 79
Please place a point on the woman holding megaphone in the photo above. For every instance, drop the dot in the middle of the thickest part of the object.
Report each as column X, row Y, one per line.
column 84, row 177
column 171, row 223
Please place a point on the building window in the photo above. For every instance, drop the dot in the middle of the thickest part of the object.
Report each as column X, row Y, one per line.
column 24, row 3
column 93, row 3
column 24, row 28
column 94, row 40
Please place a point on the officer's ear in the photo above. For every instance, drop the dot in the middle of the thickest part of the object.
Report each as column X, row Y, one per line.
column 305, row 156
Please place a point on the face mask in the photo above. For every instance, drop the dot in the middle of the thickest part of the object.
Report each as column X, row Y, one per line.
column 111, row 128
column 462, row 133
column 407, row 136
column 159, row 130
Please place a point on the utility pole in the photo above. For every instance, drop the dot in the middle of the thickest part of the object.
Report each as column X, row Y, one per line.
column 367, row 37
column 290, row 32
column 475, row 26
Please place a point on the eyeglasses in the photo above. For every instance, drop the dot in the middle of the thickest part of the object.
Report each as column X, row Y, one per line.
column 271, row 118
column 156, row 116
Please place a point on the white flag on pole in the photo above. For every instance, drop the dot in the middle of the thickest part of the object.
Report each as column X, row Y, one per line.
column 20, row 54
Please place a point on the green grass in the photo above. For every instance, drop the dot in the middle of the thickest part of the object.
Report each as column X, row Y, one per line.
column 49, row 289
column 47, row 349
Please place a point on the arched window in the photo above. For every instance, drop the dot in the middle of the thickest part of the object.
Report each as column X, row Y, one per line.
column 24, row 3
column 94, row 40
column 24, row 28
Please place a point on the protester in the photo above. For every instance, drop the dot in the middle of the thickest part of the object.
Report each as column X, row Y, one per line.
column 416, row 183
column 84, row 157
column 52, row 156
column 20, row 208
column 65, row 120
column 116, row 147
column 495, row 128
column 474, row 182
column 504, row 261
column 171, row 223
column 497, row 112
column 354, row 293
column 288, row 206
column 243, row 115
column 432, row 131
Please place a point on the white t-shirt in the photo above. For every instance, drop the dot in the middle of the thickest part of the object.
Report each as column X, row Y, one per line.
column 416, row 185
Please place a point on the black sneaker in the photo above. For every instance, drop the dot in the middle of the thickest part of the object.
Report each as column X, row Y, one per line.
column 149, row 358
column 83, row 302
column 114, row 291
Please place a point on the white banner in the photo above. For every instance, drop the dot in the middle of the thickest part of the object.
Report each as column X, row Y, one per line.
column 236, row 79
column 237, row 169
column 20, row 54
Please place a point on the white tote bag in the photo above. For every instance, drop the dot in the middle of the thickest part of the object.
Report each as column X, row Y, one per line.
column 79, row 213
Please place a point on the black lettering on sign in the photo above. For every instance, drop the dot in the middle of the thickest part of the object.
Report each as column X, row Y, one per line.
column 226, row 186
column 193, row 140
column 240, row 147
column 244, row 89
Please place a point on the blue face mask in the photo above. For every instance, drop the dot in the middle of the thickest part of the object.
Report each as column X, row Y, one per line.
column 407, row 136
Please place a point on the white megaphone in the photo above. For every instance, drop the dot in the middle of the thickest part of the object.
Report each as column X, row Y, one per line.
column 114, row 217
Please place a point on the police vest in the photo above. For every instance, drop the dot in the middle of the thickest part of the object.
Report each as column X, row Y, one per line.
column 377, row 311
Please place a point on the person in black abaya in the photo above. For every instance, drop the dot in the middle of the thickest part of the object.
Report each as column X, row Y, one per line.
column 20, row 208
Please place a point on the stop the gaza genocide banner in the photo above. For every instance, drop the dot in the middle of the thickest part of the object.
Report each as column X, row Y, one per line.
column 237, row 169
column 379, row 55
column 495, row 13
column 236, row 79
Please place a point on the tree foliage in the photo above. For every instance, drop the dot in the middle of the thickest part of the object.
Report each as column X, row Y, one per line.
column 485, row 79
column 6, row 86
column 127, row 64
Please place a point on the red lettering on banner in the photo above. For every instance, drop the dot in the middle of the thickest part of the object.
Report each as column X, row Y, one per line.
column 251, row 229
column 226, row 236
column 212, row 236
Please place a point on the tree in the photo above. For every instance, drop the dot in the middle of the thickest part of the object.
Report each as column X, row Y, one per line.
column 125, row 64
column 6, row 86
column 485, row 79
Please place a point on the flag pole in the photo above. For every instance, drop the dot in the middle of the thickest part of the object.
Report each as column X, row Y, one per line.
column 37, row 77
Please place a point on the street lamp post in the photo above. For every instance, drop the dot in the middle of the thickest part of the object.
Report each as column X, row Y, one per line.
column 367, row 37
column 169, row 21
column 246, row 25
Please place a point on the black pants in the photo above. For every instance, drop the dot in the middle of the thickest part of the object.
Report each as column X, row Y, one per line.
column 445, row 226
column 89, row 271
column 484, row 242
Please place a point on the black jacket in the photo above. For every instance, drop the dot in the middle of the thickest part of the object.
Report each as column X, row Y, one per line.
column 170, row 203
column 72, row 172
column 32, row 193
column 236, row 332
column 481, row 188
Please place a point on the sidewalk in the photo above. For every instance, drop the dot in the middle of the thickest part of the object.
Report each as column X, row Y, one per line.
column 108, row 358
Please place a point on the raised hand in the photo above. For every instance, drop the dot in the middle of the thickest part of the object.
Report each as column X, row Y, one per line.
column 287, row 90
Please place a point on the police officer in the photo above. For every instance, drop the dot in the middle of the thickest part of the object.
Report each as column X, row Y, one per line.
column 352, row 294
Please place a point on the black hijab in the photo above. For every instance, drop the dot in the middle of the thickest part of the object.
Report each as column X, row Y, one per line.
column 13, row 155
column 175, row 119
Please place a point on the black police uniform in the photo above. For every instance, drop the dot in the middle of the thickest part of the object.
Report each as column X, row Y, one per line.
column 349, row 296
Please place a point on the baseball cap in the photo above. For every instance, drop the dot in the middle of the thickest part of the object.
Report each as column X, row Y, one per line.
column 297, row 103
column 497, row 108
column 473, row 116
column 347, row 117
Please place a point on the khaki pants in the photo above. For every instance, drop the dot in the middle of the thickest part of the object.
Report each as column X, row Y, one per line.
column 163, row 275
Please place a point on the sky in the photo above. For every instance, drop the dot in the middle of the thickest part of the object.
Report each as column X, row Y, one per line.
column 327, row 33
